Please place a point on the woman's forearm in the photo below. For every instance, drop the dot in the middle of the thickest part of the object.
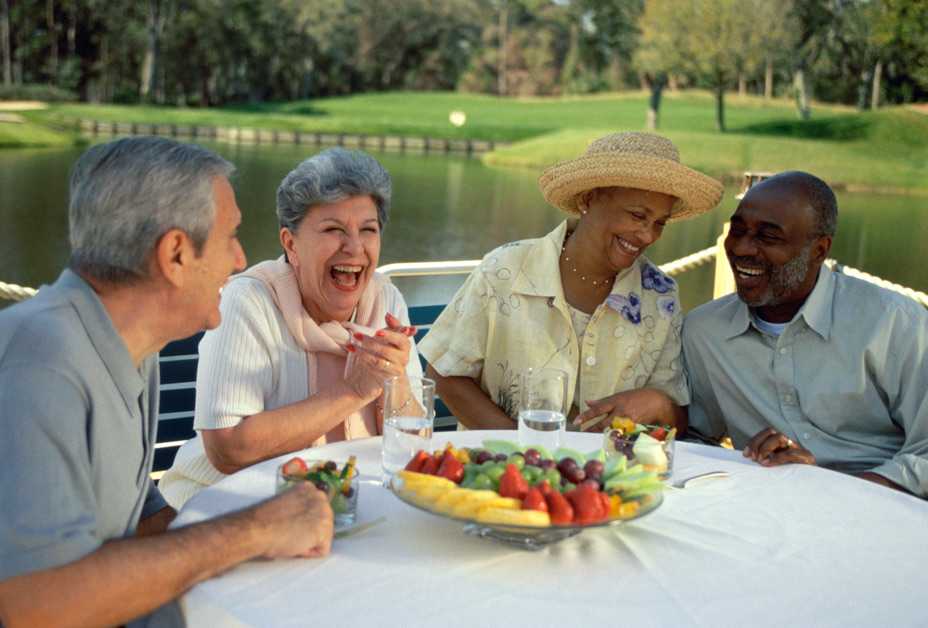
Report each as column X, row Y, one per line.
column 472, row 407
column 275, row 432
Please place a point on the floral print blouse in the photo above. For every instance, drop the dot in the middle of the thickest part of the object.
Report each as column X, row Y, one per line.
column 511, row 314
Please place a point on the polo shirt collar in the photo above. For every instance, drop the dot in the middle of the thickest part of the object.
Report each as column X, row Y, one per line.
column 103, row 335
column 816, row 311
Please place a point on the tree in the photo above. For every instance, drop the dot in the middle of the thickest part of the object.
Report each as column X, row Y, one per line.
column 698, row 37
column 900, row 32
column 5, row 48
column 150, row 65
column 613, row 36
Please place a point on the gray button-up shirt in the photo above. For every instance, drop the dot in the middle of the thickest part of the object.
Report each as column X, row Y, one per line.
column 847, row 379
column 78, row 423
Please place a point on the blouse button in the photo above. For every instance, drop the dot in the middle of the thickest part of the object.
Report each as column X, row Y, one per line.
column 591, row 361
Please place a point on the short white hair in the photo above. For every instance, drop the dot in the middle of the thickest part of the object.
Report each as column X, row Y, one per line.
column 329, row 177
column 127, row 193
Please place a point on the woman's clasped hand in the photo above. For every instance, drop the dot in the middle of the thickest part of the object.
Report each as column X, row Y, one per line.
column 378, row 356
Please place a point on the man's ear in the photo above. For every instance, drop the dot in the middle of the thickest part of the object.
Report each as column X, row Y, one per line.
column 820, row 249
column 173, row 256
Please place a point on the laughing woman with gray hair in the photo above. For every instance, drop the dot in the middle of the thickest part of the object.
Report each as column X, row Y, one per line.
column 307, row 340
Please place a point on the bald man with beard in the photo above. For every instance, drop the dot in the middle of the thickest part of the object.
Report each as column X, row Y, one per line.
column 804, row 365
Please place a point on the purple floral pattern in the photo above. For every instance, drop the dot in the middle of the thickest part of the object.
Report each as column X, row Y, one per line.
column 654, row 279
column 629, row 307
column 667, row 306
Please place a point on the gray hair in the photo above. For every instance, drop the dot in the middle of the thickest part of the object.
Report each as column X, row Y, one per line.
column 329, row 177
column 128, row 193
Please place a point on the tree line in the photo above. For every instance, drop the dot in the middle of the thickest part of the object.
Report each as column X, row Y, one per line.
column 220, row 52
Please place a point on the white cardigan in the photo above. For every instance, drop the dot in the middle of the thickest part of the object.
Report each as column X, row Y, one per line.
column 249, row 364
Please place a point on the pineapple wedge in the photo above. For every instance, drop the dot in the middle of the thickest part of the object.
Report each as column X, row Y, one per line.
column 446, row 502
column 506, row 516
column 412, row 478
column 468, row 509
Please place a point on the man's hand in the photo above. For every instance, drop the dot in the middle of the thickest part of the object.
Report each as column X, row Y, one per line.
column 298, row 523
column 644, row 405
column 770, row 448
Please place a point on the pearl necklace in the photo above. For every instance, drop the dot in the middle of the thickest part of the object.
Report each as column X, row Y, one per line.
column 599, row 285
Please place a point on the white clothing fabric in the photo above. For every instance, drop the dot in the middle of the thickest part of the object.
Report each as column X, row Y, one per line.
column 249, row 364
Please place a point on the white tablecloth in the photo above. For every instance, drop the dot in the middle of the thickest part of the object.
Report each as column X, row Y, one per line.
column 792, row 545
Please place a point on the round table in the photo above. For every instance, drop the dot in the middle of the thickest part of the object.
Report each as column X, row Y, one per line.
column 793, row 545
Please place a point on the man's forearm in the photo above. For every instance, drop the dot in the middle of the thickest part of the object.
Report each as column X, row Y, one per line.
column 879, row 479
column 130, row 577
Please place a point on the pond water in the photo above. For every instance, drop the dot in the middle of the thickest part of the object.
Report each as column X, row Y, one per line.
column 445, row 208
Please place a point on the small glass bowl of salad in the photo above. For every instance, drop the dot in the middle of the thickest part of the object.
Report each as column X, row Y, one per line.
column 651, row 446
column 338, row 480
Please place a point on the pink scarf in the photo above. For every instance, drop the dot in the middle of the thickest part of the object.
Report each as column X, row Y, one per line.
column 327, row 361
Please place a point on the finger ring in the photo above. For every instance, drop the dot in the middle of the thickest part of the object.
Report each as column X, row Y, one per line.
column 789, row 442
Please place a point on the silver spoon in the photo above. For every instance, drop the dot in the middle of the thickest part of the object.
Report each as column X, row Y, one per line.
column 699, row 477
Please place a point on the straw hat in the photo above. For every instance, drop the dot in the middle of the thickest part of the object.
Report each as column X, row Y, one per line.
column 631, row 160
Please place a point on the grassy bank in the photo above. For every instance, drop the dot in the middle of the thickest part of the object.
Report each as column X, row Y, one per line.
column 885, row 150
column 28, row 134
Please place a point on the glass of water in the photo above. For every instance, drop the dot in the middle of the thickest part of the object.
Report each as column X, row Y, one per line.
column 408, row 415
column 542, row 411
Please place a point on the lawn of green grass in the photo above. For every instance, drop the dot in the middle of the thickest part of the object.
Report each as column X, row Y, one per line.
column 887, row 149
column 30, row 134
column 426, row 114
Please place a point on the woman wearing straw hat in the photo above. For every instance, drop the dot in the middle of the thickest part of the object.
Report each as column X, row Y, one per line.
column 582, row 299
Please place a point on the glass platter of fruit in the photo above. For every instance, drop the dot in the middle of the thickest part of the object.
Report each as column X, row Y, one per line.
column 528, row 497
column 337, row 480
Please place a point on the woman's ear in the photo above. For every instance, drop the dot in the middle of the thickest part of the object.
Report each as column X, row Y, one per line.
column 583, row 201
column 286, row 241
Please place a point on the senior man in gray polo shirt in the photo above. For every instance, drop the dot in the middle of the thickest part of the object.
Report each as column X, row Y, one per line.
column 83, row 537
column 805, row 365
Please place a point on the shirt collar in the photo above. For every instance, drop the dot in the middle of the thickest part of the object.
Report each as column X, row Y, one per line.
column 103, row 335
column 535, row 276
column 818, row 307
column 816, row 311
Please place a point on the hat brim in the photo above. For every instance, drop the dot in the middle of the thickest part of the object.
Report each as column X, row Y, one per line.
column 562, row 183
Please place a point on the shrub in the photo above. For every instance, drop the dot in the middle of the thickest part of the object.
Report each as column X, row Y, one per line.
column 46, row 93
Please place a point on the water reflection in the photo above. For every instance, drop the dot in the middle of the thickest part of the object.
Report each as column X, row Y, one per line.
column 444, row 208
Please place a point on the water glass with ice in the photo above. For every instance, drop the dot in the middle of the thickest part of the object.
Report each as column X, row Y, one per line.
column 408, row 415
column 542, row 407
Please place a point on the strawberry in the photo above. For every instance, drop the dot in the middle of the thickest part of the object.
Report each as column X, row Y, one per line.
column 545, row 487
column 417, row 461
column 450, row 467
column 295, row 467
column 512, row 484
column 534, row 500
column 588, row 507
column 560, row 510
column 659, row 433
column 430, row 466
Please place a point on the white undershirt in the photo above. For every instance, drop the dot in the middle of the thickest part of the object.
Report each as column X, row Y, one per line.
column 774, row 329
column 580, row 321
